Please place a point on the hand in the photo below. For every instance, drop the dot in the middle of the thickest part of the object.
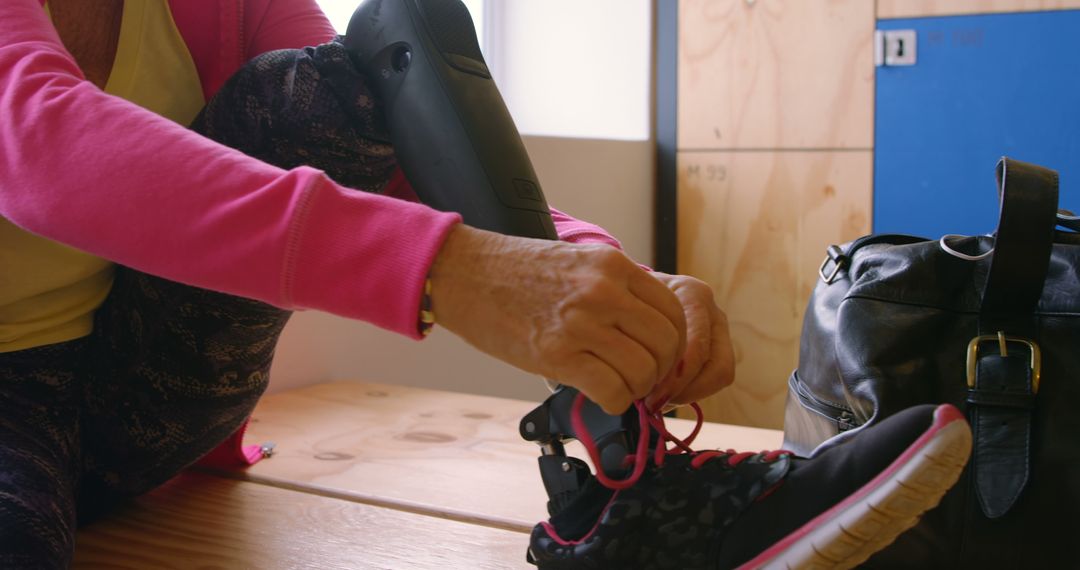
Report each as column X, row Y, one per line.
column 709, row 362
column 581, row 315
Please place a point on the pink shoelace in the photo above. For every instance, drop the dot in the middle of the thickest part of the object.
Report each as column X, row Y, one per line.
column 648, row 421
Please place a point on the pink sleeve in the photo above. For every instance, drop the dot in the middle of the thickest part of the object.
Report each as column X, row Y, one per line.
column 107, row 177
column 212, row 31
column 569, row 229
column 576, row 231
column 281, row 24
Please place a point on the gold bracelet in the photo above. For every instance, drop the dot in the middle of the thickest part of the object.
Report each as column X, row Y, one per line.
column 427, row 315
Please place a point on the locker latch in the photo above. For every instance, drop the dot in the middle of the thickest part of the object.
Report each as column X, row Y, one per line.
column 894, row 48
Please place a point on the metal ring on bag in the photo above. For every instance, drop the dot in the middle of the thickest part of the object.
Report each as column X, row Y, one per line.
column 943, row 242
column 835, row 255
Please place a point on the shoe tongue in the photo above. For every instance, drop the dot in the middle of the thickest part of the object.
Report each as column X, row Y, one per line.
column 582, row 512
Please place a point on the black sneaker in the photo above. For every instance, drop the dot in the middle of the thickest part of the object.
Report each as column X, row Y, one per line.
column 716, row 509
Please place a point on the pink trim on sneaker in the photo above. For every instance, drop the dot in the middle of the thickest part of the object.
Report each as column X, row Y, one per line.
column 551, row 532
column 944, row 415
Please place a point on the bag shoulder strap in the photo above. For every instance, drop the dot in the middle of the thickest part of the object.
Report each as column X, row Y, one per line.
column 1004, row 370
column 1025, row 235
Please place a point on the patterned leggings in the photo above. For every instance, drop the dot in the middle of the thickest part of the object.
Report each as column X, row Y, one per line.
column 170, row 370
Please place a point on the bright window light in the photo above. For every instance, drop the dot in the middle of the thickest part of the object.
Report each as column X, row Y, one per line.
column 566, row 68
column 575, row 68
column 339, row 12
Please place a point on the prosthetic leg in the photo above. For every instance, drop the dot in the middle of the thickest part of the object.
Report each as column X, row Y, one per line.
column 459, row 148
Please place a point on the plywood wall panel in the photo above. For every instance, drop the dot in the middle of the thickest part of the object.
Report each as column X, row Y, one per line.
column 755, row 225
column 775, row 74
column 920, row 8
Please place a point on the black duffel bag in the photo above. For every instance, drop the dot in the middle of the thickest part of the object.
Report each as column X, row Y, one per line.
column 990, row 324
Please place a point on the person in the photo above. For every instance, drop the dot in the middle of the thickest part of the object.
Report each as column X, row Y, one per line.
column 146, row 270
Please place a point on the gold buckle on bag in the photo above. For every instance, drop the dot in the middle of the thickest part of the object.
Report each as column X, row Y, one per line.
column 1003, row 341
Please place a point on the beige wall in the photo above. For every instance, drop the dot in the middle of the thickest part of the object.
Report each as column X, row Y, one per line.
column 607, row 182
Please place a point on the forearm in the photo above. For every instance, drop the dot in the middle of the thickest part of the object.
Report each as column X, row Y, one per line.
column 107, row 177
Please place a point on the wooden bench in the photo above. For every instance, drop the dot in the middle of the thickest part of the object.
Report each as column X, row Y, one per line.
column 363, row 475
column 204, row 521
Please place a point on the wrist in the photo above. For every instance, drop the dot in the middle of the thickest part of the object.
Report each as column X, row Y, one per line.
column 454, row 276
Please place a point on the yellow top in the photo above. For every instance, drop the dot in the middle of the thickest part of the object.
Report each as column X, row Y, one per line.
column 49, row 291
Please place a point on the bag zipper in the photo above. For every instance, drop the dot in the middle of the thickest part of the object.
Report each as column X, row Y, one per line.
column 844, row 417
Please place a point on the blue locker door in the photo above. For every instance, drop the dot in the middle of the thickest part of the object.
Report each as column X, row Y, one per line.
column 983, row 87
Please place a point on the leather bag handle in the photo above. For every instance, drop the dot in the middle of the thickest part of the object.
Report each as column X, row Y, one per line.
column 1025, row 234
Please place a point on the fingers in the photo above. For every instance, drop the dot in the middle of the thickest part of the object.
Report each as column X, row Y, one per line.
column 653, row 331
column 586, row 316
column 708, row 363
column 638, row 333
column 599, row 382
column 657, row 295
column 718, row 371
column 699, row 332
column 631, row 349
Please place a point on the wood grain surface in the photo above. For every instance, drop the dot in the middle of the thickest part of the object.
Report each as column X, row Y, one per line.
column 775, row 153
column 775, row 74
column 920, row 8
column 449, row 455
column 755, row 226
column 207, row 522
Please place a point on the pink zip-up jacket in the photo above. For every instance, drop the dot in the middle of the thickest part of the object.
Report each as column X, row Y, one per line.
column 107, row 177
